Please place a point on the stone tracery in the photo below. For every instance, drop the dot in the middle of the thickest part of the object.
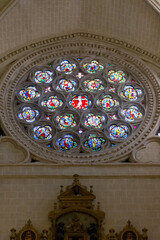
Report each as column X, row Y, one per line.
column 124, row 113
column 102, row 88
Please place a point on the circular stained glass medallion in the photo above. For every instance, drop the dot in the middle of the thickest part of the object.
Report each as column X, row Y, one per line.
column 67, row 142
column 28, row 93
column 116, row 76
column 42, row 132
column 28, row 114
column 94, row 141
column 80, row 101
column 108, row 102
column 66, row 66
column 131, row 93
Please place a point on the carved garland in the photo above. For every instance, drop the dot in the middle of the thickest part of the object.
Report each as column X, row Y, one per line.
column 79, row 49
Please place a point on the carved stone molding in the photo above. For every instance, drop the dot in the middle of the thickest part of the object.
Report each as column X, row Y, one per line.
column 81, row 36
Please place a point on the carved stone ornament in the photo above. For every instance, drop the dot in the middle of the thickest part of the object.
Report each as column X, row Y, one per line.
column 34, row 125
column 75, row 218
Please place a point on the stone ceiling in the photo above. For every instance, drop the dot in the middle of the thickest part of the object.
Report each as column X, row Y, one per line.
column 133, row 21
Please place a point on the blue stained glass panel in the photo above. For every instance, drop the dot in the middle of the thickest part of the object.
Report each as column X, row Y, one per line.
column 66, row 143
column 94, row 143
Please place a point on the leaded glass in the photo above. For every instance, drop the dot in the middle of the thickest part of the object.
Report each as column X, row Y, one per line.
column 47, row 117
column 92, row 85
column 93, row 66
column 132, row 114
column 96, row 121
column 66, row 85
column 66, row 67
column 43, row 76
column 42, row 132
column 52, row 103
column 131, row 93
column 118, row 132
column 29, row 93
column 112, row 89
column 116, row 76
column 107, row 102
column 66, row 142
column 66, row 120
column 113, row 117
column 48, row 89
column 93, row 142
column 80, row 102
column 80, row 131
column 80, row 75
column 28, row 114
column 87, row 105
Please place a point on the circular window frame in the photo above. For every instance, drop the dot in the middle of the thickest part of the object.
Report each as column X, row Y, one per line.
column 47, row 54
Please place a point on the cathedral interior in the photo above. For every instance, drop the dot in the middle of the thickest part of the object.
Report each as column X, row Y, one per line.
column 80, row 120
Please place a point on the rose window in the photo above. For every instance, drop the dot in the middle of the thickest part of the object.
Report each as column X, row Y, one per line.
column 79, row 105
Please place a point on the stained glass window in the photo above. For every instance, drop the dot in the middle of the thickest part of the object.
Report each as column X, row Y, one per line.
column 93, row 120
column 66, row 85
column 66, row 143
column 116, row 76
column 80, row 102
column 79, row 75
column 66, row 120
column 118, row 132
column 61, row 103
column 131, row 93
column 93, row 85
column 28, row 94
column 113, row 117
column 52, row 103
column 28, row 114
column 107, row 102
column 42, row 132
column 93, row 142
column 132, row 114
column 93, row 66
column 43, row 76
column 66, row 67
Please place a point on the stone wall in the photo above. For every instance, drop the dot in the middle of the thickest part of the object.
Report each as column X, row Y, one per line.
column 133, row 21
column 125, row 191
